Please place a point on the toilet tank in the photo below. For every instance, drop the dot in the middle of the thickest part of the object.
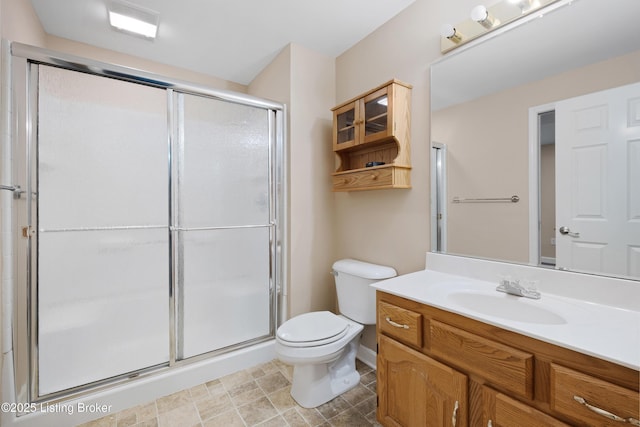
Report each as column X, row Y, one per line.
column 356, row 299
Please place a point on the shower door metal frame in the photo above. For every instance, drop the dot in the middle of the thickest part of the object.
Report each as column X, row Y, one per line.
column 24, row 83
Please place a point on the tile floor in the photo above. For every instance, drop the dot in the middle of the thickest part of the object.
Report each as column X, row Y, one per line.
column 257, row 396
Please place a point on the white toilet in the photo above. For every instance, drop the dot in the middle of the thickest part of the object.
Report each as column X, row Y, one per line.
column 322, row 346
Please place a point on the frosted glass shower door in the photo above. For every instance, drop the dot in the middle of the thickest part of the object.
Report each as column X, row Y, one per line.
column 224, row 224
column 103, row 236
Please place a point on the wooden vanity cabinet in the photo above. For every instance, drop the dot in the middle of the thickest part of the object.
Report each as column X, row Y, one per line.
column 431, row 361
column 374, row 127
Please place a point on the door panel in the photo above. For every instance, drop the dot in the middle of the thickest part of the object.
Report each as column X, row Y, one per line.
column 224, row 178
column 103, row 307
column 226, row 288
column 225, row 222
column 597, row 190
column 102, row 249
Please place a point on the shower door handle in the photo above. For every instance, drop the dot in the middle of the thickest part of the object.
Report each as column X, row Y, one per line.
column 17, row 191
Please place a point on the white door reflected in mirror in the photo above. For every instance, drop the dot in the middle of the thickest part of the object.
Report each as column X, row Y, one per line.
column 598, row 185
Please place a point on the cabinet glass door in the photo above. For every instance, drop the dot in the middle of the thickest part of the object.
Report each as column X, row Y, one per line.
column 376, row 113
column 346, row 133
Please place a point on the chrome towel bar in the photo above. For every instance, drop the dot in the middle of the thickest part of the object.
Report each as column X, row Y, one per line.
column 512, row 199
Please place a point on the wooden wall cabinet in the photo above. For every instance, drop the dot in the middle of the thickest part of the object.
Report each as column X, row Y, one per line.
column 437, row 368
column 374, row 127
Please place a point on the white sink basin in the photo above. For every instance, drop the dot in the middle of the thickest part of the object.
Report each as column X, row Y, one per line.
column 504, row 306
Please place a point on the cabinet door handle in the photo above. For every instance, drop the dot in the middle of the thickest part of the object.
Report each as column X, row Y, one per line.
column 604, row 413
column 489, row 424
column 454, row 417
column 397, row 325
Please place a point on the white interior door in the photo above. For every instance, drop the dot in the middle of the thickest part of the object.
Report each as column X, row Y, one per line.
column 598, row 182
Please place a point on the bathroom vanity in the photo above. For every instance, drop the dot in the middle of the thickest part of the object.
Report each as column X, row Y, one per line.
column 452, row 351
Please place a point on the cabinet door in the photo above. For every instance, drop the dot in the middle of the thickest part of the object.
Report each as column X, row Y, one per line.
column 500, row 410
column 346, row 126
column 377, row 119
column 416, row 391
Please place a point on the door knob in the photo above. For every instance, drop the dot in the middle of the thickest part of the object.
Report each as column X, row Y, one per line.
column 565, row 231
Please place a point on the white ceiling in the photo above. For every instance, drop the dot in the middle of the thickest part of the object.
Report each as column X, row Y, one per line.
column 230, row 39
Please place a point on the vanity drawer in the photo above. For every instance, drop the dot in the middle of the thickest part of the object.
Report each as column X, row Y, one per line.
column 569, row 386
column 502, row 411
column 501, row 365
column 363, row 179
column 400, row 323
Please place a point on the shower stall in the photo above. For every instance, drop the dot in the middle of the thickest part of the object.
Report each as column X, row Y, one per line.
column 148, row 217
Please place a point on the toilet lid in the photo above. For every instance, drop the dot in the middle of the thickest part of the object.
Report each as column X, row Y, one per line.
column 311, row 329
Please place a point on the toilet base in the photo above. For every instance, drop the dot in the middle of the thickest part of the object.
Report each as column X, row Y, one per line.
column 316, row 384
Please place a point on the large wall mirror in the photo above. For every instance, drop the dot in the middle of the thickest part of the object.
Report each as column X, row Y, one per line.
column 536, row 142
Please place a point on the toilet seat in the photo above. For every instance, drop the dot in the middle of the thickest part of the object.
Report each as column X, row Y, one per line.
column 312, row 329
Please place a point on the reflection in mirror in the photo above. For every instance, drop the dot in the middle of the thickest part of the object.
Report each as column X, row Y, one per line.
column 534, row 112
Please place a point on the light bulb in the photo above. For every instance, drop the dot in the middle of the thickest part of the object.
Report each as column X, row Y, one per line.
column 481, row 15
column 448, row 31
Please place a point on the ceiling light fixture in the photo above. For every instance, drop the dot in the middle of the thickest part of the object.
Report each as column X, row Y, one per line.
column 133, row 19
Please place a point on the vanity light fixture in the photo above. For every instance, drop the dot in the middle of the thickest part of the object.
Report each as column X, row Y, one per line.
column 133, row 19
column 498, row 15
column 481, row 15
column 449, row 31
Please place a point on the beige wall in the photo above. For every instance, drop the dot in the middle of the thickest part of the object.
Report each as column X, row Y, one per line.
column 20, row 23
column 482, row 162
column 304, row 80
column 392, row 226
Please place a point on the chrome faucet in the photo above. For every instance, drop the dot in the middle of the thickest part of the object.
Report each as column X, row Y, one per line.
column 514, row 287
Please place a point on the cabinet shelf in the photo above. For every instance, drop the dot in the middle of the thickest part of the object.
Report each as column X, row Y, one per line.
column 373, row 127
column 374, row 118
column 346, row 128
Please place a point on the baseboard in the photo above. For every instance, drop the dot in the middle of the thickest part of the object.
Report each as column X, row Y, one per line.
column 367, row 356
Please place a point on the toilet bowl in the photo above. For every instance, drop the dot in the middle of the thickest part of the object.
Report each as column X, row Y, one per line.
column 322, row 346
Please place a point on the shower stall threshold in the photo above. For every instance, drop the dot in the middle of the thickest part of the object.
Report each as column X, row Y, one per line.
column 130, row 393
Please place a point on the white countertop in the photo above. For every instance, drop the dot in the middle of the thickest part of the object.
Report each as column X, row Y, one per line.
column 599, row 330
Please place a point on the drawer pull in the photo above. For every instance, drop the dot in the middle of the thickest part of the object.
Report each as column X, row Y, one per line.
column 454, row 417
column 604, row 413
column 395, row 324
